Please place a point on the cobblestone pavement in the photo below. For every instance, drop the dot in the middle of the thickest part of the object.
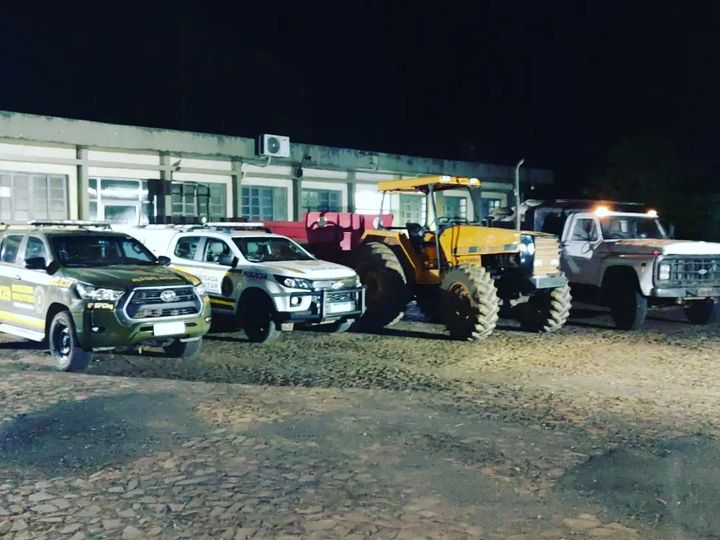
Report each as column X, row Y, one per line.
column 588, row 433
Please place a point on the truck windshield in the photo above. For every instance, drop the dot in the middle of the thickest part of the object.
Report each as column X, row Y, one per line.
column 96, row 250
column 461, row 205
column 621, row 227
column 263, row 249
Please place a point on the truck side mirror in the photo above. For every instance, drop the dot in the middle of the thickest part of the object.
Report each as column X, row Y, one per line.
column 165, row 261
column 36, row 263
column 228, row 260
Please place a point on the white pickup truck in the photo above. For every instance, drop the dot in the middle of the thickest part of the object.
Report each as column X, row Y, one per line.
column 264, row 281
column 625, row 259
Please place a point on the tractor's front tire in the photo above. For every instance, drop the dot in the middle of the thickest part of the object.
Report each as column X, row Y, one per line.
column 470, row 304
column 386, row 295
column 546, row 310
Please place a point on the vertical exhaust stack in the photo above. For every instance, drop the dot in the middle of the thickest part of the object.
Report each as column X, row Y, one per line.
column 517, row 193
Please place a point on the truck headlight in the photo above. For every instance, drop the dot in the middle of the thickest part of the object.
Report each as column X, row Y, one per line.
column 200, row 290
column 294, row 283
column 88, row 292
column 664, row 272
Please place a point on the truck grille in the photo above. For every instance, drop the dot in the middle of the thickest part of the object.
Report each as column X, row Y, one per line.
column 340, row 296
column 691, row 271
column 149, row 303
column 547, row 255
column 328, row 283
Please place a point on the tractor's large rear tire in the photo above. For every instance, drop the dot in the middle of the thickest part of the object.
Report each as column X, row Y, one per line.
column 470, row 304
column 546, row 310
column 387, row 292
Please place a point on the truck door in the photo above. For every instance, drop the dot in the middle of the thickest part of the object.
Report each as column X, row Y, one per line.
column 33, row 285
column 9, row 248
column 215, row 271
column 581, row 239
column 19, row 313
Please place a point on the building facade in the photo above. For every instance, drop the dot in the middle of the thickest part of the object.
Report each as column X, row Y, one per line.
column 58, row 168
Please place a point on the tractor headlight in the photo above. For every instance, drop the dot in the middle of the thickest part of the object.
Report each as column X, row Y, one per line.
column 88, row 292
column 293, row 283
column 527, row 245
column 664, row 272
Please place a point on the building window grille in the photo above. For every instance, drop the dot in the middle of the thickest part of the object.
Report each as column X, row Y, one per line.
column 321, row 200
column 27, row 196
column 412, row 209
column 264, row 203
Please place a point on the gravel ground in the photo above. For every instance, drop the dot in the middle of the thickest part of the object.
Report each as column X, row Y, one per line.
column 587, row 433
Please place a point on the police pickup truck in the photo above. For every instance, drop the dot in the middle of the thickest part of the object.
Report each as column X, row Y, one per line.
column 620, row 255
column 265, row 282
column 83, row 287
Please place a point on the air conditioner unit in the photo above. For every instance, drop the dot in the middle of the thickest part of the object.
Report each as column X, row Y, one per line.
column 273, row 145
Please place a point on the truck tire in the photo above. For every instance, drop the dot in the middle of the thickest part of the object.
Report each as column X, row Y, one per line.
column 628, row 306
column 340, row 327
column 64, row 346
column 546, row 310
column 705, row 311
column 183, row 349
column 387, row 292
column 470, row 304
column 258, row 320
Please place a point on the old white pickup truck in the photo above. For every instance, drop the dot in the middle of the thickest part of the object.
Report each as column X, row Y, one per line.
column 617, row 255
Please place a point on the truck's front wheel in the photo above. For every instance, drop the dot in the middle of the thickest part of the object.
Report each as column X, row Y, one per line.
column 703, row 311
column 545, row 311
column 183, row 349
column 64, row 345
column 258, row 320
column 628, row 306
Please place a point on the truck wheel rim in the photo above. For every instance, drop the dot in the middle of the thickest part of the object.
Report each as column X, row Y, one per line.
column 62, row 340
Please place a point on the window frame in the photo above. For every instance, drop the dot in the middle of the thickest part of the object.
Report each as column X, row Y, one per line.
column 32, row 205
column 20, row 248
column 593, row 237
column 319, row 191
column 208, row 240
column 46, row 247
column 198, row 249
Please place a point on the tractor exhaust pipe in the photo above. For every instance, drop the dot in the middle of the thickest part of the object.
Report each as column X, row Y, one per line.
column 517, row 193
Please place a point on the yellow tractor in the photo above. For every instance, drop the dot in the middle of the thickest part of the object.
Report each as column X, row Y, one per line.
column 460, row 272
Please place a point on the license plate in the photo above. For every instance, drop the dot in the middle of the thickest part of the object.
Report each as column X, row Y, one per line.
column 341, row 307
column 168, row 328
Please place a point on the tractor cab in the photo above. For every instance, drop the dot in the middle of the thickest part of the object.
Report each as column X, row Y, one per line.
column 448, row 231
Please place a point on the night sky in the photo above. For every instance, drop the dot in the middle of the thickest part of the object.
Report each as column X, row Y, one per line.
column 558, row 83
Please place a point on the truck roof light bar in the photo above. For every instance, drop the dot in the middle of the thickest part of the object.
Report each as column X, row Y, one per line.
column 235, row 225
column 69, row 223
